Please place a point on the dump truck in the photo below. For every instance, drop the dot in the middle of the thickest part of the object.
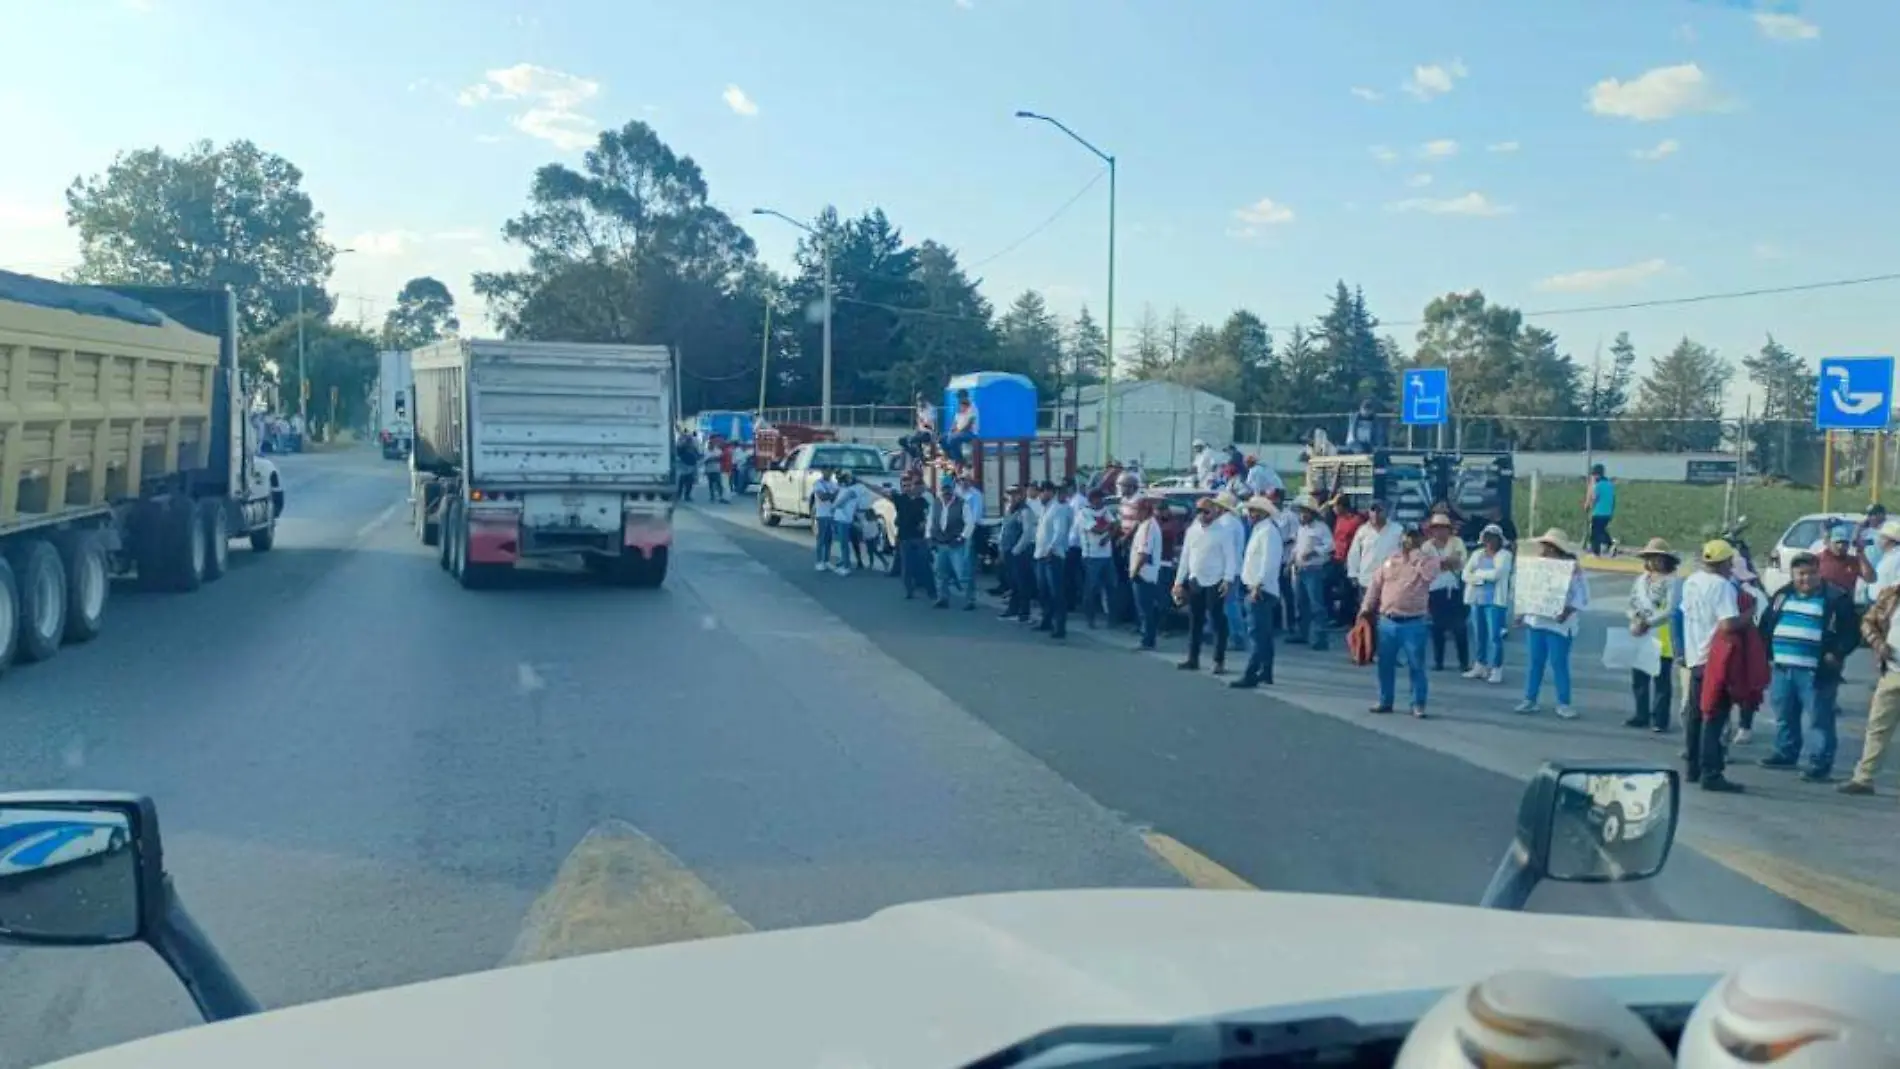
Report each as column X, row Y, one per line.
column 534, row 449
column 395, row 386
column 125, row 450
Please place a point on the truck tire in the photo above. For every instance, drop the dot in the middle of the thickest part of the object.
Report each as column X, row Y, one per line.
column 9, row 615
column 430, row 532
column 472, row 575
column 179, row 546
column 653, row 570
column 217, row 524
column 768, row 515
column 39, row 600
column 88, row 584
column 264, row 539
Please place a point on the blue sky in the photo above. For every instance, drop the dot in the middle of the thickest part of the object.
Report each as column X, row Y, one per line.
column 1267, row 147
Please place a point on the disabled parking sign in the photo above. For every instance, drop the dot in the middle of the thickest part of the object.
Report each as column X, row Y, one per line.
column 1855, row 393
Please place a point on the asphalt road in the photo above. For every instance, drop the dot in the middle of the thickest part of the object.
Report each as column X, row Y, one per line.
column 367, row 776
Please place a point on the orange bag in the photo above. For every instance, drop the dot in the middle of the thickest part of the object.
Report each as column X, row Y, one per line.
column 1362, row 642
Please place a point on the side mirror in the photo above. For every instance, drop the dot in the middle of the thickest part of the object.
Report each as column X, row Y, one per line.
column 86, row 868
column 77, row 869
column 1588, row 822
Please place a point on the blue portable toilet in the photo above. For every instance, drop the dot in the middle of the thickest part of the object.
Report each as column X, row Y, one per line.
column 1005, row 404
column 732, row 426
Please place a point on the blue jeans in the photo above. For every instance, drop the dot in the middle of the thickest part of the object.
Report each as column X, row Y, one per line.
column 953, row 446
column 1264, row 614
column 1313, row 611
column 1487, row 634
column 953, row 567
column 1236, row 609
column 1793, row 692
column 822, row 525
column 1547, row 648
column 1098, row 578
column 1148, row 610
column 1052, row 585
column 1403, row 637
column 913, row 555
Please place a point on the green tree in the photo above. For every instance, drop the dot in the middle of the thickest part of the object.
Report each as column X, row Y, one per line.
column 875, row 279
column 629, row 249
column 1031, row 344
column 1357, row 367
column 1151, row 355
column 1682, row 397
column 1788, row 389
column 1086, row 349
column 233, row 216
column 340, row 358
column 948, row 333
column 424, row 312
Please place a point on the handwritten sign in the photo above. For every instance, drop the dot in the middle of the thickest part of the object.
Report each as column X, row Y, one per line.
column 1542, row 586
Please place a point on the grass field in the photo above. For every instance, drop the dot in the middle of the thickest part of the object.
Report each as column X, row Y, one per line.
column 1685, row 515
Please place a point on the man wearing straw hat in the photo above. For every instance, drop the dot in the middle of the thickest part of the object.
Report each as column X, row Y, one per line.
column 1260, row 570
column 1312, row 554
column 1234, row 604
column 1208, row 567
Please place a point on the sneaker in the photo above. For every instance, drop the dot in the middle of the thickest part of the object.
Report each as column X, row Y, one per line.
column 841, row 569
column 1565, row 712
column 1777, row 762
column 1743, row 737
column 821, row 566
column 1525, row 707
column 1496, row 676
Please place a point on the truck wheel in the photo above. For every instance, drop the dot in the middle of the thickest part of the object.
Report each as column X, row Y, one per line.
column 471, row 574
column 184, row 556
column 88, row 584
column 453, row 548
column 426, row 501
column 768, row 515
column 264, row 539
column 9, row 615
column 39, row 599
column 654, row 571
column 1612, row 830
column 217, row 525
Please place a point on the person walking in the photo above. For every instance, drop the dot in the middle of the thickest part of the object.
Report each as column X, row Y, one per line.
column 1599, row 501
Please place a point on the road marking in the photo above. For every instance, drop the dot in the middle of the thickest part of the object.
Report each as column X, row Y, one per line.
column 383, row 517
column 1198, row 869
column 527, row 680
column 620, row 889
column 1858, row 907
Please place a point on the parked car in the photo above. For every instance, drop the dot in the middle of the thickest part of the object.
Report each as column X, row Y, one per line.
column 1805, row 535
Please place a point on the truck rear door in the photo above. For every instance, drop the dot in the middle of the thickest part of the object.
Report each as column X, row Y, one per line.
column 580, row 417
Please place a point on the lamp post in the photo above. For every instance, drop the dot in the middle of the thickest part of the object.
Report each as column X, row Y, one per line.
column 824, row 244
column 1104, row 440
column 303, row 381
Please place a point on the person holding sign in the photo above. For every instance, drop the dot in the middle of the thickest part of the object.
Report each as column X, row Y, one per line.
column 1655, row 598
column 1550, row 592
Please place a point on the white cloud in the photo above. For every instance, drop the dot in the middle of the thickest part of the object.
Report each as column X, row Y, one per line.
column 1264, row 212
column 553, row 102
column 1363, row 93
column 383, row 243
column 1419, row 181
column 1383, row 154
column 1443, row 148
column 1668, row 146
column 736, row 99
column 1785, row 27
column 1435, row 79
column 1502, row 146
column 1466, row 204
column 1662, row 93
column 1600, row 279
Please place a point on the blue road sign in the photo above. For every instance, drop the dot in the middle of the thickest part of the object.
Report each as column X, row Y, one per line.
column 1425, row 400
column 1855, row 393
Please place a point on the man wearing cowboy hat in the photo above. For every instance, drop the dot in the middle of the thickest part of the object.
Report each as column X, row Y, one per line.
column 1260, row 570
column 1312, row 554
column 1235, row 603
column 1372, row 545
column 1208, row 567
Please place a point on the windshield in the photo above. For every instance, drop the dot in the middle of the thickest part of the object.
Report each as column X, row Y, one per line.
column 521, row 646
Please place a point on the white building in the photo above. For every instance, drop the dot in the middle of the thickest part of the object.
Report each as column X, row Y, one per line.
column 1155, row 422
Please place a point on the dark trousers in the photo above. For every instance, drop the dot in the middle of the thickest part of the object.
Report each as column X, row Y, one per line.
column 1263, row 621
column 1599, row 534
column 1053, row 581
column 1147, row 599
column 1022, row 584
column 1447, row 608
column 1205, row 606
column 1702, row 735
column 1653, row 696
column 913, row 555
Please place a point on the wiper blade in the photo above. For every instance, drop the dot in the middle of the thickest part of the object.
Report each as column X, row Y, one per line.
column 1333, row 1040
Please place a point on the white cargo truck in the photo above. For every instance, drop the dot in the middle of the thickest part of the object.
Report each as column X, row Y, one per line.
column 395, row 404
column 126, row 447
column 545, row 449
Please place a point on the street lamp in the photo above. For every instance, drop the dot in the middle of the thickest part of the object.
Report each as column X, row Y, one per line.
column 1104, row 440
column 824, row 243
column 303, row 382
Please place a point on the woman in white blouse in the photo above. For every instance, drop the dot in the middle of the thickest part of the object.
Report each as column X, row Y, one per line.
column 1488, row 596
column 1655, row 599
column 1547, row 639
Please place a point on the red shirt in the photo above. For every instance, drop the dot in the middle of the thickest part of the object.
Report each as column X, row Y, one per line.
column 725, row 459
column 1345, row 525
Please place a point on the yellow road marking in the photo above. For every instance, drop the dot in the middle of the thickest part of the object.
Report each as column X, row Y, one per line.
column 1621, row 565
column 620, row 889
column 1198, row 869
column 1855, row 906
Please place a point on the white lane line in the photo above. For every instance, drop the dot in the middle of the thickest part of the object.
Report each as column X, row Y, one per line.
column 363, row 532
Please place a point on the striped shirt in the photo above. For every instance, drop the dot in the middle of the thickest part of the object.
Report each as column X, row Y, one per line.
column 1796, row 642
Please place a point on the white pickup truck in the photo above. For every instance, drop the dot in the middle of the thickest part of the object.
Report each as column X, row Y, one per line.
column 785, row 489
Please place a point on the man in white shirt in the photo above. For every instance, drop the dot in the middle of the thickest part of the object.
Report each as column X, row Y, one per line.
column 965, row 426
column 1376, row 542
column 1260, row 571
column 1052, row 545
column 972, row 514
column 1206, row 465
column 823, row 493
column 1261, row 477
column 1095, row 527
column 851, row 499
column 1312, row 553
column 1709, row 605
column 1234, row 605
column 1144, row 569
column 1208, row 567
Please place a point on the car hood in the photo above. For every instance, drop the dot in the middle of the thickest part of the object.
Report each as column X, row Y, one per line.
column 942, row 982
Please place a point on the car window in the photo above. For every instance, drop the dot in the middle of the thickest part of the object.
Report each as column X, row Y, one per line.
column 1803, row 534
column 854, row 458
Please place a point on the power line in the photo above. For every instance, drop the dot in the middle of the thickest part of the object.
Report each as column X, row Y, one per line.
column 1700, row 298
column 1039, row 227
